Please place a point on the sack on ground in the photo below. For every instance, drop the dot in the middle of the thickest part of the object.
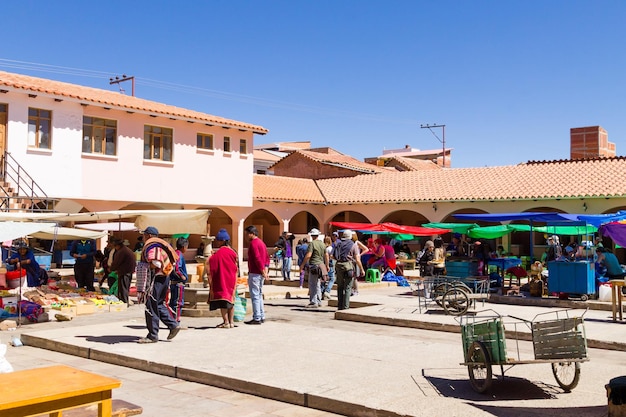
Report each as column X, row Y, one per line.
column 240, row 308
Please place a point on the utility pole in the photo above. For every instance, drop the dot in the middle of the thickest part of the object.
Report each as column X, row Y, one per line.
column 118, row 80
column 443, row 141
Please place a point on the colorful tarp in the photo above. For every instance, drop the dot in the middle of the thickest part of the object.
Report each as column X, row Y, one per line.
column 391, row 228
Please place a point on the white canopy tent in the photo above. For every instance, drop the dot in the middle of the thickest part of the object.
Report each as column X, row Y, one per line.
column 168, row 222
column 109, row 227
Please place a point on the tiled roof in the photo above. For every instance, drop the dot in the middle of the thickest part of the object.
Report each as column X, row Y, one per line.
column 263, row 155
column 114, row 99
column 532, row 180
column 337, row 159
column 412, row 164
column 286, row 189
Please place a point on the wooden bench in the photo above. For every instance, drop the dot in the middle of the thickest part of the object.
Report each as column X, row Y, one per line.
column 52, row 390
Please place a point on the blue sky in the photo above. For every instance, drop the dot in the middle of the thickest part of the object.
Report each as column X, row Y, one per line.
column 507, row 78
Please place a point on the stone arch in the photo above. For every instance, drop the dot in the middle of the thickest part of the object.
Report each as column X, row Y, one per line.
column 268, row 225
column 405, row 218
column 348, row 216
column 302, row 222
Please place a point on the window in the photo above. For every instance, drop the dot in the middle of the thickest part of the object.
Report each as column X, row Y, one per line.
column 157, row 143
column 226, row 144
column 39, row 128
column 99, row 135
column 205, row 141
column 243, row 148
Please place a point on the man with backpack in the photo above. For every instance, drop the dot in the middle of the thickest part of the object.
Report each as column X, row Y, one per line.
column 345, row 253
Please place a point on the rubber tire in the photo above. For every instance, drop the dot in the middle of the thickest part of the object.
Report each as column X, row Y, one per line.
column 584, row 297
column 567, row 382
column 455, row 302
column 439, row 291
column 479, row 375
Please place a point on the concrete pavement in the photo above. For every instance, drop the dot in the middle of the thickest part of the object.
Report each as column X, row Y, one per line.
column 349, row 369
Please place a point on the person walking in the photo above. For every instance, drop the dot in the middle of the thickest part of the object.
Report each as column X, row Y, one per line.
column 160, row 257
column 83, row 251
column 301, row 249
column 178, row 278
column 124, row 262
column 346, row 254
column 222, row 269
column 318, row 260
column 285, row 242
column 327, row 286
column 258, row 267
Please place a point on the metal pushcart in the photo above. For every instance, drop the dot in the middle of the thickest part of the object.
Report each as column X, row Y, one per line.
column 559, row 340
column 455, row 295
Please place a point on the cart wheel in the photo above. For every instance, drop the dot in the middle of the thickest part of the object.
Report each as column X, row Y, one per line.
column 584, row 297
column 455, row 302
column 462, row 286
column 480, row 372
column 566, row 374
column 438, row 292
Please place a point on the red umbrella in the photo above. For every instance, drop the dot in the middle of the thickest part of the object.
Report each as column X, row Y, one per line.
column 391, row 228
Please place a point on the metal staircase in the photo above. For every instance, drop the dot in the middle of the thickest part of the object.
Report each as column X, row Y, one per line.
column 19, row 191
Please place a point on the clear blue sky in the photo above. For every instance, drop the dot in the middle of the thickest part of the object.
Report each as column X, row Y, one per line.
column 507, row 78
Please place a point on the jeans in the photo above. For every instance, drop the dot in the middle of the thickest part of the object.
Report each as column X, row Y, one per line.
column 344, row 271
column 156, row 309
column 255, row 285
column 286, row 268
column 315, row 294
column 332, row 276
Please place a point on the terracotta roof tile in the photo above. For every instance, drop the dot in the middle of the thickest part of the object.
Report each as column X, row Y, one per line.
column 337, row 159
column 275, row 188
column 413, row 164
column 533, row 180
column 114, row 99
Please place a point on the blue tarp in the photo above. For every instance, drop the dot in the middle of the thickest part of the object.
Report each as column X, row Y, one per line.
column 531, row 216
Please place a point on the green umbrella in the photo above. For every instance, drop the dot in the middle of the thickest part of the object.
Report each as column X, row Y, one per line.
column 456, row 227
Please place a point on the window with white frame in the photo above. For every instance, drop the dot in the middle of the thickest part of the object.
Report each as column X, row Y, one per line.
column 99, row 135
column 157, row 143
column 39, row 128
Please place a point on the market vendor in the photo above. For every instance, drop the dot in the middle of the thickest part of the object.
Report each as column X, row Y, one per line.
column 610, row 262
column 25, row 259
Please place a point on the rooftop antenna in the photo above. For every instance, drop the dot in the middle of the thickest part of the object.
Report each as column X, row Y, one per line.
column 443, row 141
column 118, row 80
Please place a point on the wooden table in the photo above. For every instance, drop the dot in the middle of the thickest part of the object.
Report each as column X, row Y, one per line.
column 616, row 296
column 53, row 389
column 407, row 263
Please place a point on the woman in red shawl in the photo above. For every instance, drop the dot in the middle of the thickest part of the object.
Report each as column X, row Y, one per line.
column 222, row 271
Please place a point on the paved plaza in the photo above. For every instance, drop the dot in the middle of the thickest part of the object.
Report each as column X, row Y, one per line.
column 379, row 359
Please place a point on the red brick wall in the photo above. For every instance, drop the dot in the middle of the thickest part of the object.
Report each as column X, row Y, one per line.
column 302, row 167
column 590, row 142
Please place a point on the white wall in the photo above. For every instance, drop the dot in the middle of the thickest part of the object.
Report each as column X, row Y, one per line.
column 194, row 177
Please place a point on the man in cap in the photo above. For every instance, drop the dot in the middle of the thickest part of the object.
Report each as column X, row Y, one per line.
column 318, row 260
column 346, row 254
column 123, row 265
column 159, row 255
column 258, row 267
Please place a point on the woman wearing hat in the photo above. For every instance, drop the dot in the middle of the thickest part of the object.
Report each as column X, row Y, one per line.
column 24, row 259
column 222, row 269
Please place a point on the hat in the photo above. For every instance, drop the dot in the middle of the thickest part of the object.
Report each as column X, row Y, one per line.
column 222, row 235
column 314, row 232
column 126, row 242
column 151, row 230
column 336, row 234
column 347, row 234
column 429, row 243
column 115, row 241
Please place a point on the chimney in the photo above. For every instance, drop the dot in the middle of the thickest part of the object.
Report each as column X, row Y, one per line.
column 590, row 142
